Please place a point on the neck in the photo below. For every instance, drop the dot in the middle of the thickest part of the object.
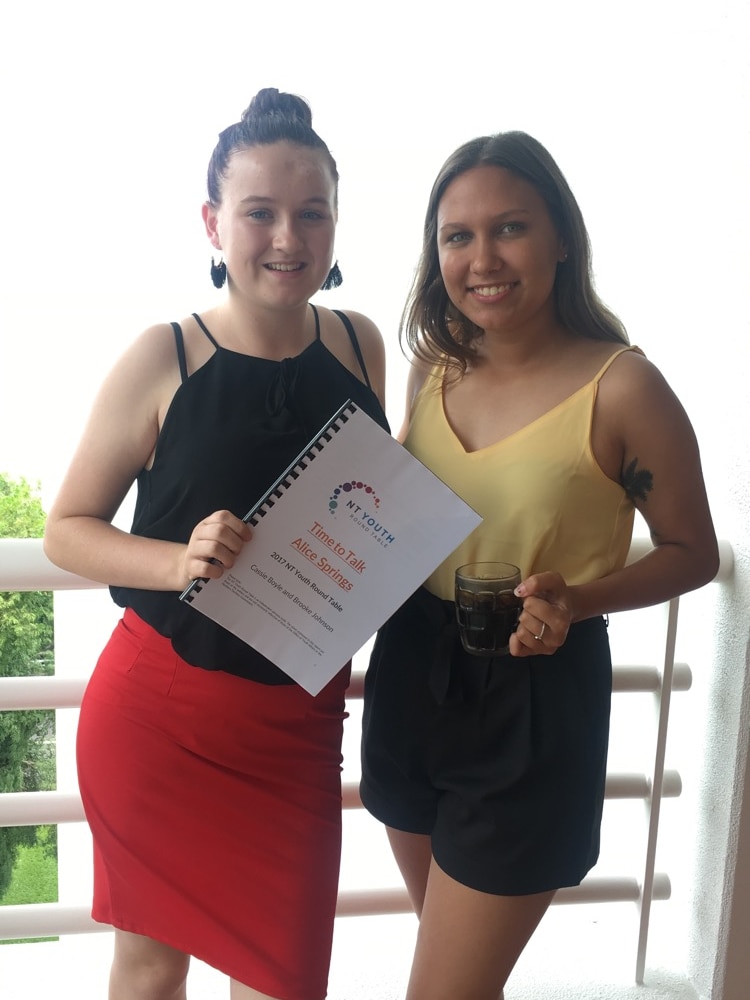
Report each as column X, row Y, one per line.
column 252, row 329
column 522, row 348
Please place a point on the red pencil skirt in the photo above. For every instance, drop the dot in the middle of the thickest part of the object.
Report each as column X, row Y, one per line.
column 215, row 808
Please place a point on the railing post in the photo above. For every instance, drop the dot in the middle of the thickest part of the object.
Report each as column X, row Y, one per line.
column 653, row 804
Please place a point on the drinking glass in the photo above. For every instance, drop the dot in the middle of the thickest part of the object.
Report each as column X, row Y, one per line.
column 486, row 607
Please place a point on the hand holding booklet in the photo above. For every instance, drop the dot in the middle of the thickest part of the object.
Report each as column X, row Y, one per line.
column 342, row 538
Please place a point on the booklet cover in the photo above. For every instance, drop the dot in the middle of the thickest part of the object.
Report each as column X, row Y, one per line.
column 339, row 542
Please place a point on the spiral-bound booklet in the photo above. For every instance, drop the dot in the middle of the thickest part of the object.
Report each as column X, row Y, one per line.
column 348, row 531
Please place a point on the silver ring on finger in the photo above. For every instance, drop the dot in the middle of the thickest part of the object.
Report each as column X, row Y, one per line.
column 541, row 633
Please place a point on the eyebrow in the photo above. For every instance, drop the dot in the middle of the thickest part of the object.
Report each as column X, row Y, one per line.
column 496, row 218
column 257, row 199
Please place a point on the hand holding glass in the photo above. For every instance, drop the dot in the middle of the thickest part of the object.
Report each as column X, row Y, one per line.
column 486, row 607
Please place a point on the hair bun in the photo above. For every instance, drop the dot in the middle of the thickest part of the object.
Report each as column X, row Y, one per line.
column 271, row 117
column 272, row 103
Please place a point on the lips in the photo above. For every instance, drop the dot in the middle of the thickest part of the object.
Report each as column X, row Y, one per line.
column 284, row 267
column 488, row 291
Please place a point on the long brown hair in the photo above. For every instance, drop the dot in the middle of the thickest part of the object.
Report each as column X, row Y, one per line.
column 431, row 326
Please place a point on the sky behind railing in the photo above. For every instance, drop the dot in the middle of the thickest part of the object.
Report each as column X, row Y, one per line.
column 110, row 114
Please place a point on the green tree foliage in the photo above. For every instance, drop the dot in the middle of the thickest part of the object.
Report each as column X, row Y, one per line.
column 27, row 739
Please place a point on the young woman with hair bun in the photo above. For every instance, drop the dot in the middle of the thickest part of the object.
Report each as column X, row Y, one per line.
column 211, row 781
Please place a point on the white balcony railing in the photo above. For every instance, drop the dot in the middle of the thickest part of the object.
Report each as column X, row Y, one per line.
column 23, row 566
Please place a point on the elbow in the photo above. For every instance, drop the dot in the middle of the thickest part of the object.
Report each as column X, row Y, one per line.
column 51, row 544
column 690, row 566
column 706, row 565
column 48, row 545
column 713, row 564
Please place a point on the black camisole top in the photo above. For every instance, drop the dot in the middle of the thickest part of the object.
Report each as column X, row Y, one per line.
column 232, row 427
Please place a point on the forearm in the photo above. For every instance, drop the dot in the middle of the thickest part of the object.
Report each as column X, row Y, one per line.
column 95, row 549
column 669, row 570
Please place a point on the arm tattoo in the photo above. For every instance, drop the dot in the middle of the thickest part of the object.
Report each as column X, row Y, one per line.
column 637, row 483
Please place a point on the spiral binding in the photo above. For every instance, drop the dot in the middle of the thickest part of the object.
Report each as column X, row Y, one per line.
column 293, row 471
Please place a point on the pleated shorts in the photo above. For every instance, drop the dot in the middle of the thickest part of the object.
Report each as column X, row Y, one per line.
column 501, row 761
column 215, row 808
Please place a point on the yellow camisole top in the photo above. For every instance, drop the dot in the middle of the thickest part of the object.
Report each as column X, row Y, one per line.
column 546, row 503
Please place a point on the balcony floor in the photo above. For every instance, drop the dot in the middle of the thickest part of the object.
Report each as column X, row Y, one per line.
column 372, row 954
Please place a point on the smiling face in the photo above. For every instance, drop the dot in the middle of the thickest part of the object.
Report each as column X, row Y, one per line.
column 276, row 222
column 498, row 250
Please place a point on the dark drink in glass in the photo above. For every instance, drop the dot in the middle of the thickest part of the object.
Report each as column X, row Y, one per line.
column 486, row 607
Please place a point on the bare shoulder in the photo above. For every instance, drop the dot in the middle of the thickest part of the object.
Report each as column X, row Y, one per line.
column 368, row 334
column 639, row 423
column 154, row 349
column 370, row 342
column 419, row 372
column 146, row 373
column 121, row 432
column 141, row 383
column 634, row 382
column 366, row 330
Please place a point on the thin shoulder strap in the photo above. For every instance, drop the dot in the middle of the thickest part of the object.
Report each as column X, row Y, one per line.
column 180, row 345
column 613, row 357
column 355, row 343
column 205, row 329
column 317, row 321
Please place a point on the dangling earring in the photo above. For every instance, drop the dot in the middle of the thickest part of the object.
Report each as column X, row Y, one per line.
column 334, row 278
column 218, row 273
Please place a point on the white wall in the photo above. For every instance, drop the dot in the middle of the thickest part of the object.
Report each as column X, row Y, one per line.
column 108, row 120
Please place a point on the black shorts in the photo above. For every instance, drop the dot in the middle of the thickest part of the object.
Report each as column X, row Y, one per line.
column 502, row 761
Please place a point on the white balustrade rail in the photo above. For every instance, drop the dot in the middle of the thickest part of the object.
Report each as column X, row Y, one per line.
column 23, row 566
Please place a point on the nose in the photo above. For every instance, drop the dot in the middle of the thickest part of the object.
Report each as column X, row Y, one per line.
column 286, row 237
column 486, row 257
